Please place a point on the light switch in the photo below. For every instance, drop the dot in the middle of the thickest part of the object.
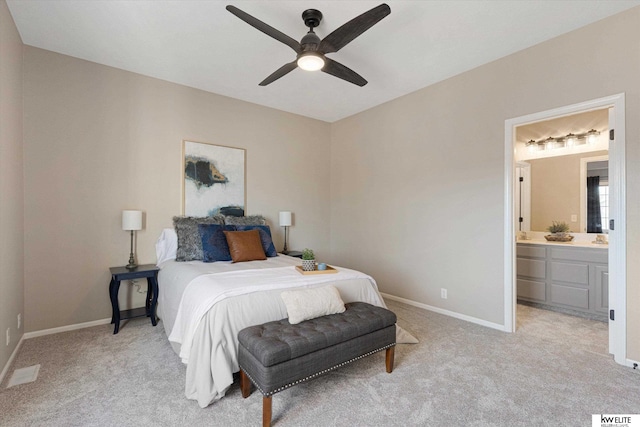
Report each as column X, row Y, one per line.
column 574, row 218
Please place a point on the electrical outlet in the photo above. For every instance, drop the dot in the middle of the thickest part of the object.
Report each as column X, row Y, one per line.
column 443, row 293
column 19, row 320
column 8, row 336
column 574, row 218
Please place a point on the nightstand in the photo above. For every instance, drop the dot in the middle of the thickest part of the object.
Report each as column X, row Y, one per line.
column 148, row 271
column 295, row 254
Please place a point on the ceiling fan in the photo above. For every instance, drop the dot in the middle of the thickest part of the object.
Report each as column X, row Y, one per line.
column 311, row 50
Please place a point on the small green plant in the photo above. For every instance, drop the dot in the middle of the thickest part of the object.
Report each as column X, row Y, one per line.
column 558, row 227
column 308, row 254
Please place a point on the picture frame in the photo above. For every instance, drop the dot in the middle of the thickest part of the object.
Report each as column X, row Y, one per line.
column 213, row 179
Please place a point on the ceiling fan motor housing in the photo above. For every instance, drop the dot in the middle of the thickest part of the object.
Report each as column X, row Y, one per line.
column 310, row 41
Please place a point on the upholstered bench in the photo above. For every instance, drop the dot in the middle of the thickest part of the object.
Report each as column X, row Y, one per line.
column 278, row 355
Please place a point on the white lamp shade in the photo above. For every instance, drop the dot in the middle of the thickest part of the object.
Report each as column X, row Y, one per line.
column 132, row 220
column 285, row 219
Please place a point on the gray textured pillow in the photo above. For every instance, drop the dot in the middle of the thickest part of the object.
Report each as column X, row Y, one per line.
column 245, row 220
column 189, row 240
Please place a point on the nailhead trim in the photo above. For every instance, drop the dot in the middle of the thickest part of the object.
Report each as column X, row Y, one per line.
column 284, row 387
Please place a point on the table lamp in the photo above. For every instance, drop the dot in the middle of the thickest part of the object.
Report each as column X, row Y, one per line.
column 285, row 221
column 131, row 221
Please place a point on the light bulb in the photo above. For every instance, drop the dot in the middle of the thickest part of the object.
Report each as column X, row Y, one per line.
column 310, row 62
column 550, row 144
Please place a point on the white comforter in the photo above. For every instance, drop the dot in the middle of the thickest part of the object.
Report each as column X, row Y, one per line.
column 204, row 305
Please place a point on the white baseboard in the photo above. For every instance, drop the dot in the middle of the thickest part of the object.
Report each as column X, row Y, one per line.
column 632, row 364
column 10, row 361
column 44, row 332
column 447, row 312
column 67, row 328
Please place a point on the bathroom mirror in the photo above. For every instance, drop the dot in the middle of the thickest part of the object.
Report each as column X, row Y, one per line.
column 557, row 174
column 558, row 190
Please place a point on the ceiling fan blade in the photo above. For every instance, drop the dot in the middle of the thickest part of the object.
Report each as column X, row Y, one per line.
column 352, row 29
column 265, row 28
column 345, row 73
column 285, row 69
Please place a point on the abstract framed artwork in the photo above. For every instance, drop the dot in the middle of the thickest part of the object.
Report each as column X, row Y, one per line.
column 214, row 179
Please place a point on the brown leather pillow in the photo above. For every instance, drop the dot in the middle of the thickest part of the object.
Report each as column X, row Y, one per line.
column 245, row 245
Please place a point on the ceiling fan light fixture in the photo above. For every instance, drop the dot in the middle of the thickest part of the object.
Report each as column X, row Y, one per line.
column 310, row 61
column 311, row 50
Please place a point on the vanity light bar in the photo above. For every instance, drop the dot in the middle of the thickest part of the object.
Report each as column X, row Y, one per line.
column 568, row 140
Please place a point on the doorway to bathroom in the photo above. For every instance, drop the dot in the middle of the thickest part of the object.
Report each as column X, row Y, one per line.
column 542, row 147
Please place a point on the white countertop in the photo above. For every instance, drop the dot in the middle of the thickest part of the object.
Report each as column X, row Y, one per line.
column 575, row 244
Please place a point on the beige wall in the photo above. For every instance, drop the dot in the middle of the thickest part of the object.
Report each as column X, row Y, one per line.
column 417, row 184
column 11, row 185
column 99, row 140
column 555, row 190
column 414, row 188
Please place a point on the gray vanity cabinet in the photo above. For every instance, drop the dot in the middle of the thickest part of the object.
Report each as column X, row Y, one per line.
column 532, row 272
column 562, row 276
column 601, row 279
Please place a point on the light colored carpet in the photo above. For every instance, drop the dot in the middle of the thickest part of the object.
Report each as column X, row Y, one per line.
column 555, row 371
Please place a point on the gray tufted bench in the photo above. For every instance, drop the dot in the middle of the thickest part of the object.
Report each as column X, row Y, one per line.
column 278, row 355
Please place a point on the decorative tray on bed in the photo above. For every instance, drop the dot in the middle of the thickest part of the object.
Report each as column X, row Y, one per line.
column 327, row 271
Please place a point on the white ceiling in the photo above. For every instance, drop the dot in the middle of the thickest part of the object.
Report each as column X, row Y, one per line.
column 201, row 45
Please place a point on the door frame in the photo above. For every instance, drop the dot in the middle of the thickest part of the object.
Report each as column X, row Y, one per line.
column 617, row 237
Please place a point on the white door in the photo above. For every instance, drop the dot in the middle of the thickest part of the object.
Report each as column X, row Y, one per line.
column 617, row 238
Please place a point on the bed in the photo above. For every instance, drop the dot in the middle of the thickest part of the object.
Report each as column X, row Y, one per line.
column 203, row 306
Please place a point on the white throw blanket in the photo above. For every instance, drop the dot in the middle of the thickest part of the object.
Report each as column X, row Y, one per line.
column 203, row 306
column 206, row 290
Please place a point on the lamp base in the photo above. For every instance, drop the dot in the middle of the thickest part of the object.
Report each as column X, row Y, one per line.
column 132, row 263
column 285, row 250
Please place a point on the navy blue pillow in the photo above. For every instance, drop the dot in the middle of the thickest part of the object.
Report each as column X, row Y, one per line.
column 214, row 242
column 265, row 238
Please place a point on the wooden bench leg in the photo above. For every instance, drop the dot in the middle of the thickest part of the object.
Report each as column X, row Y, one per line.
column 391, row 351
column 266, row 411
column 245, row 384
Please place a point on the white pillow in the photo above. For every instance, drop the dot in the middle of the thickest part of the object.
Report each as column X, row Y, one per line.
column 166, row 246
column 311, row 303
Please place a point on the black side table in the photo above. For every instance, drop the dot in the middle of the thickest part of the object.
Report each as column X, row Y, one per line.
column 295, row 254
column 150, row 271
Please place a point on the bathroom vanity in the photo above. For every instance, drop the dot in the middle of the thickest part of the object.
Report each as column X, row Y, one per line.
column 570, row 276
